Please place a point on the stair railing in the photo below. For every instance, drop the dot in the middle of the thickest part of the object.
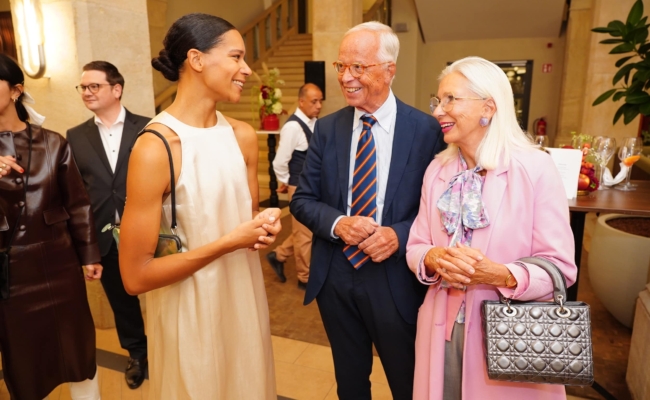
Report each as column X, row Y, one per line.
column 262, row 38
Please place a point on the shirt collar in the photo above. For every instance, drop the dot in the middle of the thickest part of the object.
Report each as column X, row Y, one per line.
column 304, row 118
column 120, row 117
column 385, row 114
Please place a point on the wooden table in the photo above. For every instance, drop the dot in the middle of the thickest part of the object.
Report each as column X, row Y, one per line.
column 636, row 202
column 273, row 182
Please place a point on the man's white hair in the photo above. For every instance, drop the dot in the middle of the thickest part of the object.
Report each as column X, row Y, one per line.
column 388, row 41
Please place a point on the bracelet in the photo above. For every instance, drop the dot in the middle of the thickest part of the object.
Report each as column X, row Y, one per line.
column 508, row 279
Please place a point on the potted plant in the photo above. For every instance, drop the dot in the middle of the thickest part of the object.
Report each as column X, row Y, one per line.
column 633, row 77
column 267, row 97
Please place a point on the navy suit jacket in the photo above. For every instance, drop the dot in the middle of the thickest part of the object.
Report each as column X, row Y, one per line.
column 321, row 196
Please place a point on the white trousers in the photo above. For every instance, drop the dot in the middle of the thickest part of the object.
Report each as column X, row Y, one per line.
column 84, row 390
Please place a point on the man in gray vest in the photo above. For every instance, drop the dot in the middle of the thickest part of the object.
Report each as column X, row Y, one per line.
column 294, row 140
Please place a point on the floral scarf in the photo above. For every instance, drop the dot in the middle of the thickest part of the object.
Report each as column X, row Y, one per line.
column 461, row 205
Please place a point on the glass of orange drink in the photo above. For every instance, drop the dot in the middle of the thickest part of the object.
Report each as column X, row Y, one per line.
column 629, row 153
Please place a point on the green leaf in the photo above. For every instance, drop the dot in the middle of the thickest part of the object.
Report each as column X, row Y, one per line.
column 629, row 114
column 622, row 61
column 618, row 96
column 618, row 28
column 619, row 113
column 621, row 73
column 622, row 48
column 644, row 48
column 641, row 22
column 635, row 13
column 641, row 35
column 604, row 30
column 637, row 98
column 611, row 41
column 644, row 109
column 604, row 97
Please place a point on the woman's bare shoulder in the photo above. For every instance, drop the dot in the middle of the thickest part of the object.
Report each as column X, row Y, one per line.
column 242, row 129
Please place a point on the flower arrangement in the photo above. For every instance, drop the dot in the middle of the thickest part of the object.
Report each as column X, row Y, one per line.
column 267, row 96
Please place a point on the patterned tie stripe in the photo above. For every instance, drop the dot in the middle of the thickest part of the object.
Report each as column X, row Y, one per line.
column 364, row 185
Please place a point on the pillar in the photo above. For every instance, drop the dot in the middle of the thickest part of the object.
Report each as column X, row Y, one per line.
column 331, row 19
column 80, row 31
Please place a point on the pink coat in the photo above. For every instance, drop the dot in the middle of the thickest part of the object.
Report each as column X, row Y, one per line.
column 529, row 216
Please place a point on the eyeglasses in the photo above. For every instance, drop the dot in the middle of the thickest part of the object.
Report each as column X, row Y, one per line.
column 447, row 103
column 356, row 69
column 93, row 87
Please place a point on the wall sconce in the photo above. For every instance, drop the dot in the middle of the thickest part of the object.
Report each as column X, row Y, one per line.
column 28, row 26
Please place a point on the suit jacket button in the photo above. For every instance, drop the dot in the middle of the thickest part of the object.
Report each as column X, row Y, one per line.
column 19, row 157
column 21, row 204
column 19, row 180
column 114, row 191
column 22, row 227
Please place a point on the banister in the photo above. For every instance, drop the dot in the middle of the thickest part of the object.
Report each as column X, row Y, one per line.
column 282, row 18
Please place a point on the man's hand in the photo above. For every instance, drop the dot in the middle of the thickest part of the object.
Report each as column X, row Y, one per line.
column 381, row 244
column 283, row 188
column 354, row 230
column 93, row 271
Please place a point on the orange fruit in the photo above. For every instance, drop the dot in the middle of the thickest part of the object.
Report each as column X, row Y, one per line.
column 628, row 161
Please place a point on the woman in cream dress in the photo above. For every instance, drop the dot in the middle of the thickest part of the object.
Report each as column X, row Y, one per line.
column 207, row 314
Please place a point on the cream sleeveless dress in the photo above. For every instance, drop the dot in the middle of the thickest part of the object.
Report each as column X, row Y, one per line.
column 209, row 334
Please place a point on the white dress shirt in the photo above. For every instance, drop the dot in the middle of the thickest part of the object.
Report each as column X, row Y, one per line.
column 292, row 137
column 383, row 131
column 112, row 137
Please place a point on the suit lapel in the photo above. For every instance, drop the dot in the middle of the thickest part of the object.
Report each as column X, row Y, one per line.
column 129, row 134
column 495, row 185
column 402, row 143
column 343, row 138
column 96, row 142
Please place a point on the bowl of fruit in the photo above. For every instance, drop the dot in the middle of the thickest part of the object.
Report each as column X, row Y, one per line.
column 587, row 180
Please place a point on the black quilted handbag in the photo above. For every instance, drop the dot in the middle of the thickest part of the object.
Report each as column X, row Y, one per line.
column 537, row 341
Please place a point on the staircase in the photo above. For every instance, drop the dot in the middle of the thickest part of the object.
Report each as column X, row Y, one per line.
column 289, row 58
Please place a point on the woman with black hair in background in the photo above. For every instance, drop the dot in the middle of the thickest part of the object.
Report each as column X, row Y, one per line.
column 207, row 315
column 47, row 335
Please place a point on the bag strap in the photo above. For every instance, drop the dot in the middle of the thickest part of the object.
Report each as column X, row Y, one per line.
column 171, row 169
column 26, row 181
column 559, row 281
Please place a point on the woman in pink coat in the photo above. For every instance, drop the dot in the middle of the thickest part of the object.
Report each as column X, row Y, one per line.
column 490, row 199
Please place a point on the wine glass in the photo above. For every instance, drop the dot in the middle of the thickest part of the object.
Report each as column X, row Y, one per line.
column 605, row 147
column 540, row 140
column 629, row 153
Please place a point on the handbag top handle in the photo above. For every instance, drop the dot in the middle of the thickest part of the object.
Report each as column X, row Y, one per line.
column 559, row 282
column 171, row 169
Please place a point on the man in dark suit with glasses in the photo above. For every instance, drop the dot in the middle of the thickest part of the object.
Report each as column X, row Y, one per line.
column 101, row 148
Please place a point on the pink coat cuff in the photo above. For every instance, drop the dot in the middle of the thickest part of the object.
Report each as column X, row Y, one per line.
column 520, row 273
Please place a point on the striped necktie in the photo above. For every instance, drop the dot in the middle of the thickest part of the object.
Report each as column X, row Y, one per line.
column 364, row 186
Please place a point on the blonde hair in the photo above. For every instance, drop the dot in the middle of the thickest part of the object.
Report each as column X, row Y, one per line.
column 503, row 134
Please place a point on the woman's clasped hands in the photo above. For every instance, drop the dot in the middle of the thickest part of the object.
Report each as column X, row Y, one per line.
column 260, row 232
column 461, row 266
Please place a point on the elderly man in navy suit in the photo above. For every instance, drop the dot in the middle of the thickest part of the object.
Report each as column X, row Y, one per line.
column 359, row 193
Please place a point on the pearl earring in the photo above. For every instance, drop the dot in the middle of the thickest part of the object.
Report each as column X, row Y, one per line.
column 483, row 121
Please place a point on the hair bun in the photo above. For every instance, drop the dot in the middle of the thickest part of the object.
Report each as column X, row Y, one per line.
column 165, row 65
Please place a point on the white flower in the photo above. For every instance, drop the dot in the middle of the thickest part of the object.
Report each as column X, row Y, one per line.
column 267, row 102
column 277, row 93
column 277, row 108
